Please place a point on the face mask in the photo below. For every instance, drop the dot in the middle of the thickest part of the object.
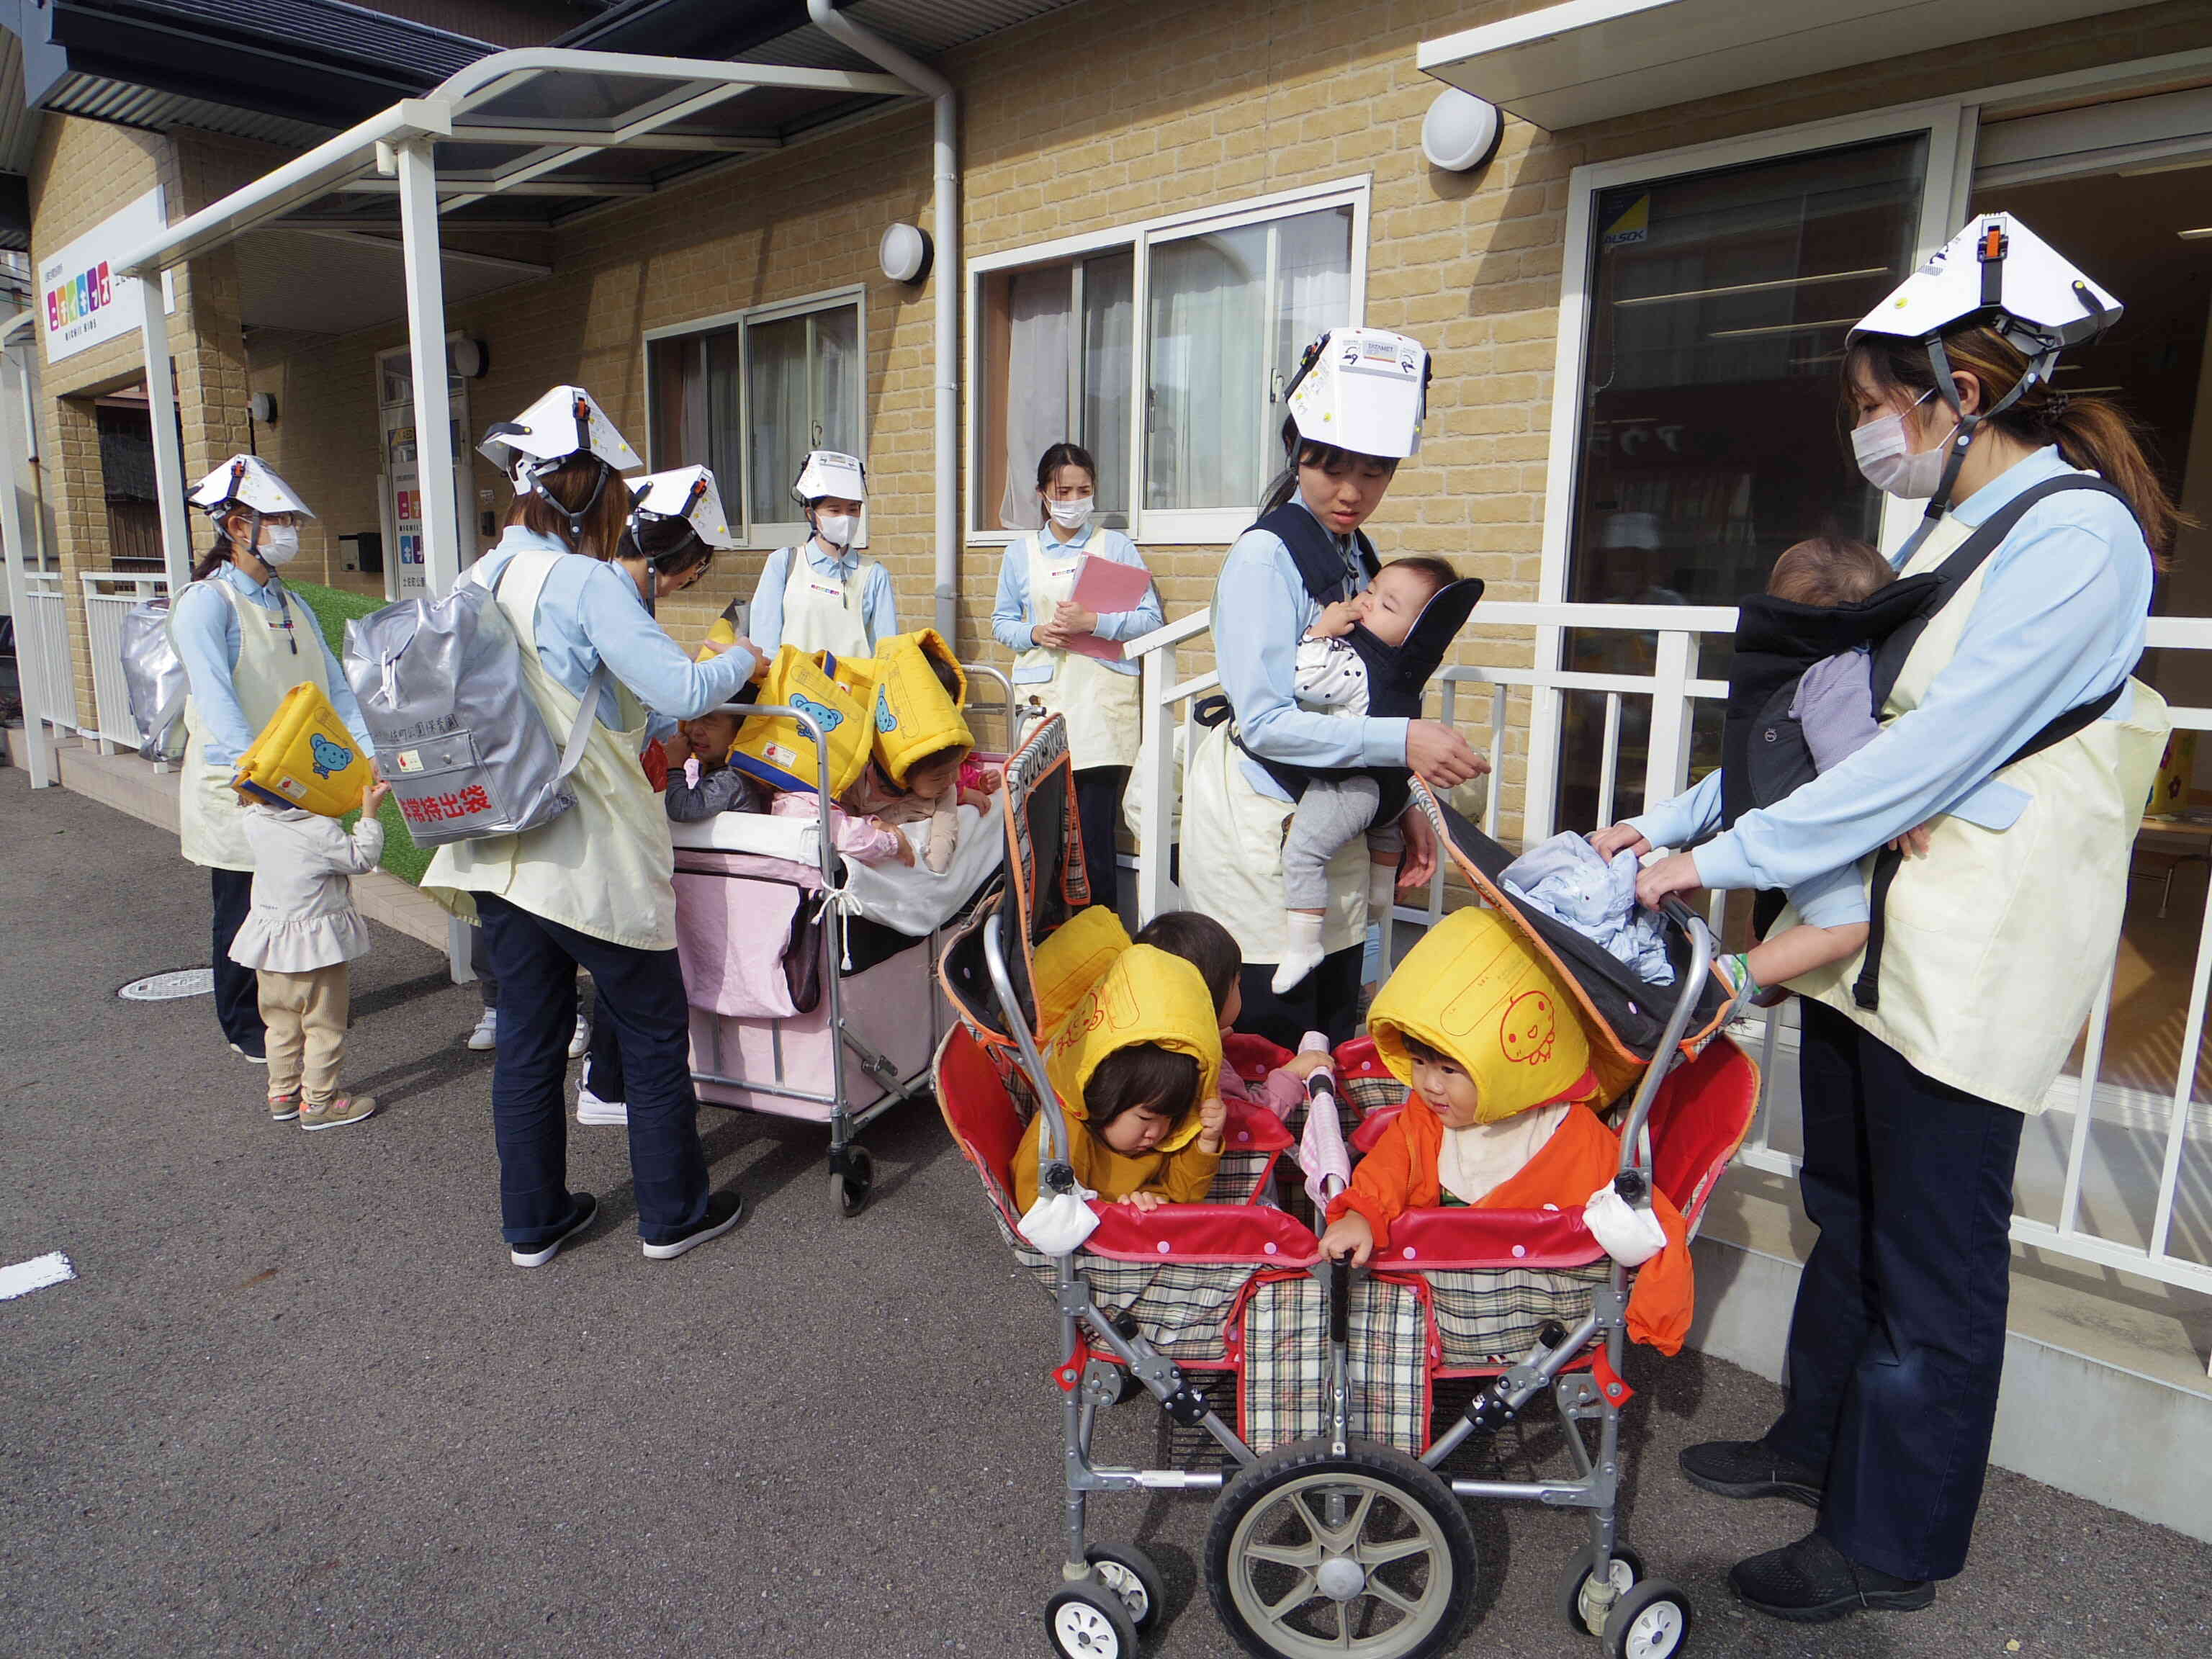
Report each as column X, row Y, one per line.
column 280, row 545
column 1884, row 450
column 838, row 529
column 1071, row 515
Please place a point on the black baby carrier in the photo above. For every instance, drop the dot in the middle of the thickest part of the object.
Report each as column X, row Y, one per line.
column 1764, row 754
column 1397, row 675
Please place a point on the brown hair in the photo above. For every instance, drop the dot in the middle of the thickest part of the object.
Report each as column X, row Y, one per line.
column 2090, row 432
column 1441, row 573
column 1428, row 1053
column 1142, row 1074
column 1065, row 454
column 1202, row 942
column 675, row 548
column 222, row 553
column 1828, row 570
column 577, row 481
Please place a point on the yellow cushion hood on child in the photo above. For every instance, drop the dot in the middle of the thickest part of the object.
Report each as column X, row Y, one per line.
column 1068, row 965
column 916, row 716
column 779, row 751
column 1144, row 996
column 1477, row 990
column 305, row 757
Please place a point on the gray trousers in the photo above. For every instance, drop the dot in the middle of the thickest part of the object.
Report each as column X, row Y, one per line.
column 1329, row 814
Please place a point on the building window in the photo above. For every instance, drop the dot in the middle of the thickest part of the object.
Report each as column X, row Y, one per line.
column 750, row 394
column 1207, row 313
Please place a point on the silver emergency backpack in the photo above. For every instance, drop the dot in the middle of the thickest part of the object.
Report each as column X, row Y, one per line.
column 154, row 679
column 457, row 738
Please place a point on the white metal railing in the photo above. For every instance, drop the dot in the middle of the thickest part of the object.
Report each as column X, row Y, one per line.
column 42, row 650
column 2086, row 1163
column 108, row 598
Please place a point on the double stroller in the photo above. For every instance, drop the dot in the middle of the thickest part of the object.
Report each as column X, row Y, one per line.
column 1301, row 1393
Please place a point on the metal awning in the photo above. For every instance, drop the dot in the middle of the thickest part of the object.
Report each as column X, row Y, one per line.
column 1568, row 64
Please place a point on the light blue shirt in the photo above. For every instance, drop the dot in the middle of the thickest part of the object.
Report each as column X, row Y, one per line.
column 1016, row 629
column 2060, row 621
column 590, row 611
column 878, row 610
column 205, row 629
column 1260, row 589
column 1833, row 898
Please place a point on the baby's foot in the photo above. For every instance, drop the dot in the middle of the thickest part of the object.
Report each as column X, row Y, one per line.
column 1302, row 953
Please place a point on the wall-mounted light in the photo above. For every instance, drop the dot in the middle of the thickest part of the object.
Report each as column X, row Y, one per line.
column 468, row 358
column 905, row 253
column 262, row 407
column 1461, row 131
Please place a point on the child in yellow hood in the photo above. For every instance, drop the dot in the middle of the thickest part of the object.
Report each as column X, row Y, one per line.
column 1500, row 1113
column 1136, row 1061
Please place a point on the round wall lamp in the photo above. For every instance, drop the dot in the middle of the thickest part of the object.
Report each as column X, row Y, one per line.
column 1461, row 131
column 468, row 358
column 262, row 407
column 905, row 253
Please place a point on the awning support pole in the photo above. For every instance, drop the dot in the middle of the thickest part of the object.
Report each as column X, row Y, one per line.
column 169, row 485
column 426, row 340
column 18, row 508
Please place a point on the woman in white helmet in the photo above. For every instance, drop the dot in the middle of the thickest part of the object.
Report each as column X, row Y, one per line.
column 244, row 642
column 822, row 595
column 2016, row 735
column 1355, row 412
column 592, row 888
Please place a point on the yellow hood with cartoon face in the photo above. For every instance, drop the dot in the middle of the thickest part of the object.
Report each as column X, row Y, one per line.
column 1476, row 989
column 916, row 716
column 1145, row 995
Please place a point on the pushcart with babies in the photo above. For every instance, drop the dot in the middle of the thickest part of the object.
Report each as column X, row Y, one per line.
column 1303, row 1392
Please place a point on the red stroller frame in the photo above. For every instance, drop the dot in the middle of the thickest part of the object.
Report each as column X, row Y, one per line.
column 1335, row 1541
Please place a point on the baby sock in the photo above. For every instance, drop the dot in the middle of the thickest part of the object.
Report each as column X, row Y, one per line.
column 1382, row 887
column 1302, row 953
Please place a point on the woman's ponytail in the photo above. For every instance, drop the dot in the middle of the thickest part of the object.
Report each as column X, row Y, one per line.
column 2100, row 435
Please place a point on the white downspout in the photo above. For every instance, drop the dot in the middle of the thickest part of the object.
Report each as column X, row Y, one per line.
column 945, row 272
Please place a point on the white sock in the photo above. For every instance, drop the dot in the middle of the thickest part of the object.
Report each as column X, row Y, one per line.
column 1382, row 887
column 1303, row 952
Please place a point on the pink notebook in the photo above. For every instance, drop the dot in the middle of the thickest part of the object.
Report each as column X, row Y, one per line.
column 1107, row 586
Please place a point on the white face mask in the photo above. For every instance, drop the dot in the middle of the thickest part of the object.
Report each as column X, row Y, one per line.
column 838, row 529
column 1884, row 450
column 280, row 545
column 1074, row 514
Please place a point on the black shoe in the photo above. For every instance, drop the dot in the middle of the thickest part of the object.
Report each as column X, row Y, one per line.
column 1812, row 1581
column 584, row 1210
column 724, row 1211
column 256, row 1055
column 1747, row 1468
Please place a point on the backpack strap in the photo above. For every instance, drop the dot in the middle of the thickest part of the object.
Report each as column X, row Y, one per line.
column 1321, row 563
column 580, row 731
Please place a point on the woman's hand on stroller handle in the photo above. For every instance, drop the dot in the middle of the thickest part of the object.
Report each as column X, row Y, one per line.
column 1675, row 873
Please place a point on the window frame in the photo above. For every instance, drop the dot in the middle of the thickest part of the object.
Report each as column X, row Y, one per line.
column 1148, row 526
column 763, row 536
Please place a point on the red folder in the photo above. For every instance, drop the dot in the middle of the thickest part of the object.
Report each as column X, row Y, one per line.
column 1108, row 587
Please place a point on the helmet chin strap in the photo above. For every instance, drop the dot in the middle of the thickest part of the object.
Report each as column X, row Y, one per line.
column 1947, row 384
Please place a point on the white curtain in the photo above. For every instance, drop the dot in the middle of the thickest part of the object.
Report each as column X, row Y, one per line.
column 782, row 433
column 1037, row 306
column 1206, row 327
column 837, row 378
column 1108, row 318
column 1313, row 293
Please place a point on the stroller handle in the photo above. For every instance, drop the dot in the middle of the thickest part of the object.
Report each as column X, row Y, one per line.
column 1635, row 1149
column 1052, row 1144
column 745, row 711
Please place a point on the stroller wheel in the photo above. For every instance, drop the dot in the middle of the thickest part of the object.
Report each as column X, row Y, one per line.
column 1086, row 1620
column 1309, row 1553
column 1129, row 1573
column 849, row 1186
column 1627, row 1571
column 1652, row 1621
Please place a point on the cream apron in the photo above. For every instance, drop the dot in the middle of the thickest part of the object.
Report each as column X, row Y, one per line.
column 606, row 865
column 210, row 821
column 1998, row 940
column 1100, row 707
column 825, row 613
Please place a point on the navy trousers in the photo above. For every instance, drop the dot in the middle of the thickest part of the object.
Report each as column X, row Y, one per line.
column 640, row 994
column 1326, row 999
column 1098, row 791
column 1898, row 1341
column 237, row 990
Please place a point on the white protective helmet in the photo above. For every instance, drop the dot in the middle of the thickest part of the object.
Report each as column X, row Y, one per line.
column 1364, row 390
column 828, row 472
column 246, row 480
column 1998, row 272
column 687, row 493
column 567, row 421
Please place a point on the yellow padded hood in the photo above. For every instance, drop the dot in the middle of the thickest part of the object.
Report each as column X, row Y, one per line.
column 305, row 757
column 1146, row 995
column 779, row 751
column 1476, row 989
column 916, row 716
column 1075, row 958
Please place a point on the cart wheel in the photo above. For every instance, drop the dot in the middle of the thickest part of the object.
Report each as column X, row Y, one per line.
column 1652, row 1621
column 1086, row 1620
column 849, row 1187
column 1309, row 1553
column 1129, row 1573
column 1627, row 1571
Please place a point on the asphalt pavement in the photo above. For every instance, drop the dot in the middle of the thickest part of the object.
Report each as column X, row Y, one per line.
column 296, row 1400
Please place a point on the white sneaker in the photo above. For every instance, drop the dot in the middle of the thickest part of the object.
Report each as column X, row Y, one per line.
column 486, row 1036
column 590, row 1109
column 582, row 1039
column 1301, row 952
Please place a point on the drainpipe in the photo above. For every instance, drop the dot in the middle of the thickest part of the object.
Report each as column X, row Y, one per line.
column 945, row 213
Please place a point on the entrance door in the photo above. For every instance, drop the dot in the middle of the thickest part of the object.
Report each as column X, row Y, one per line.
column 405, row 573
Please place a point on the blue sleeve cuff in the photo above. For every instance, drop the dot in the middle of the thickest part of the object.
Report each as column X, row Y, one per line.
column 1382, row 742
column 1721, row 863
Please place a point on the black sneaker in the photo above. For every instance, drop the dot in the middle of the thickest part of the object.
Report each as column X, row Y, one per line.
column 584, row 1210
column 1748, row 1468
column 257, row 1055
column 1811, row 1581
column 724, row 1210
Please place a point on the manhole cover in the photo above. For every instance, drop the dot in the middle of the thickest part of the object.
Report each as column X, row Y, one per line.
column 165, row 987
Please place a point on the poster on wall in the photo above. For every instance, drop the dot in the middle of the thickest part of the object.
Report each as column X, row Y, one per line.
column 409, row 578
column 83, row 297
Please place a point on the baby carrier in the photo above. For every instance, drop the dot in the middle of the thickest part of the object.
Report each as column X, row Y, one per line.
column 1397, row 675
column 1764, row 754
